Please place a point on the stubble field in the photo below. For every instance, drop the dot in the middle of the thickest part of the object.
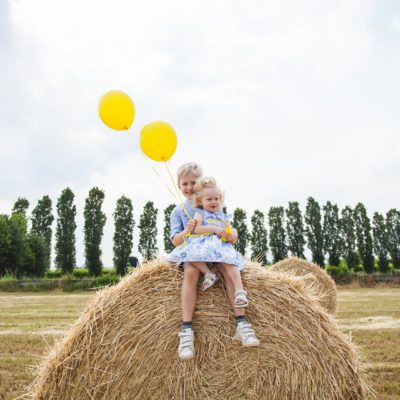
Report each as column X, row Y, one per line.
column 30, row 323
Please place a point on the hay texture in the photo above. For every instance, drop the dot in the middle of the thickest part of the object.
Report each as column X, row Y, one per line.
column 314, row 276
column 124, row 346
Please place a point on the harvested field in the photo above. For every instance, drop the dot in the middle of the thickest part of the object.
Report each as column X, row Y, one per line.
column 34, row 320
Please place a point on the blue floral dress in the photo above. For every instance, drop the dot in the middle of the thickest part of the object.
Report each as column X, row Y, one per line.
column 208, row 248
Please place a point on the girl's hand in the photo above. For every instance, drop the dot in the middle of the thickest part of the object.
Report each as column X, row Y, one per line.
column 221, row 232
column 191, row 225
column 233, row 236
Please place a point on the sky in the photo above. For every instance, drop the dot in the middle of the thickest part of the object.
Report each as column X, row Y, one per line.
column 278, row 100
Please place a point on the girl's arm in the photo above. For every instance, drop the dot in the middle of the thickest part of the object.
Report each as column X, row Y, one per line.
column 233, row 236
column 206, row 229
column 176, row 225
column 177, row 240
column 199, row 229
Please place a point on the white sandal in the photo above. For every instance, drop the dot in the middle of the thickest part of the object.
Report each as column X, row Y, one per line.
column 240, row 299
column 210, row 279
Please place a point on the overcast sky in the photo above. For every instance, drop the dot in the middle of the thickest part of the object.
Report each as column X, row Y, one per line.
column 279, row 100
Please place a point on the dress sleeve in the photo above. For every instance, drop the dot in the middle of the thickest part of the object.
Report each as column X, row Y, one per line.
column 176, row 223
column 225, row 217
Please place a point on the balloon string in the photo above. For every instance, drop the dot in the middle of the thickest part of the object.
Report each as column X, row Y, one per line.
column 172, row 180
column 155, row 171
column 177, row 190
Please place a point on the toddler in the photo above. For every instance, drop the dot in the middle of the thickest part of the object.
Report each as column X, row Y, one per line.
column 211, row 240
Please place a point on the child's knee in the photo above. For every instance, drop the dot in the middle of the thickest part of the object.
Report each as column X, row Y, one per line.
column 190, row 272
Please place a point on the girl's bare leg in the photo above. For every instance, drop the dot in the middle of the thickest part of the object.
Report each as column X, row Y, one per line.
column 234, row 273
column 230, row 289
column 202, row 267
column 189, row 291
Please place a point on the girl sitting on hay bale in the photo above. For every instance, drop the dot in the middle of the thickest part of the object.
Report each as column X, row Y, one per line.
column 228, row 264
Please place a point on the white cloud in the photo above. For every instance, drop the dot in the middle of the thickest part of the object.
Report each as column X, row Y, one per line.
column 395, row 24
column 278, row 100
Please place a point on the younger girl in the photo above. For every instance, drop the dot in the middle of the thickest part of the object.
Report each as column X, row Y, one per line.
column 211, row 241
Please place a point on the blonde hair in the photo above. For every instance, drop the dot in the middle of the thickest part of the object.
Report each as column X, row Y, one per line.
column 189, row 169
column 205, row 182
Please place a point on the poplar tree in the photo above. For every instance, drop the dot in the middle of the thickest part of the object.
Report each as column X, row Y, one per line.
column 19, row 255
column 37, row 261
column 277, row 236
column 348, row 235
column 123, row 234
column 314, row 231
column 95, row 220
column 331, row 233
column 240, row 224
column 259, row 238
column 65, row 232
column 148, row 232
column 393, row 231
column 295, row 230
column 5, row 243
column 42, row 219
column 364, row 238
column 20, row 206
column 380, row 240
column 168, row 246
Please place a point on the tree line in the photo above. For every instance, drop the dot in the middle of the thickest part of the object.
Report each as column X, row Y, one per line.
column 329, row 234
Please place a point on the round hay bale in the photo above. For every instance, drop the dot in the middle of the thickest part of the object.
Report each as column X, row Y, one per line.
column 314, row 276
column 124, row 345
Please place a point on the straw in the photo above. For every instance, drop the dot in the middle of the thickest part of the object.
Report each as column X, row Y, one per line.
column 314, row 276
column 124, row 345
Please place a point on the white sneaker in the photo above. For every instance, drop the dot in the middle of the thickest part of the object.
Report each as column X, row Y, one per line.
column 186, row 346
column 246, row 334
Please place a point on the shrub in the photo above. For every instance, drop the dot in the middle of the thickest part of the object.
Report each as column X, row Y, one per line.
column 109, row 271
column 8, row 277
column 70, row 283
column 105, row 281
column 340, row 270
column 54, row 273
column 80, row 273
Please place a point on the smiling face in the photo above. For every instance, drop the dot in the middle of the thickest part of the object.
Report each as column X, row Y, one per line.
column 186, row 185
column 211, row 199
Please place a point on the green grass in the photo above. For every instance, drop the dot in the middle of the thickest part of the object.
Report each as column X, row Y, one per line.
column 30, row 322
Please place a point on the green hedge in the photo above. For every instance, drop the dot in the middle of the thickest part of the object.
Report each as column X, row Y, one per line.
column 68, row 283
column 29, row 286
column 78, row 273
column 341, row 270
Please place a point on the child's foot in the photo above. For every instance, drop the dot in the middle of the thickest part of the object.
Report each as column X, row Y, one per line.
column 186, row 346
column 240, row 299
column 210, row 279
column 246, row 334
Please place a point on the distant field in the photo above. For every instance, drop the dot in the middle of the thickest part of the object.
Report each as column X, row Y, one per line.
column 30, row 323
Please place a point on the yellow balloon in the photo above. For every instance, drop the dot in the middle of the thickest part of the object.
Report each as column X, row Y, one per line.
column 158, row 140
column 117, row 110
column 228, row 229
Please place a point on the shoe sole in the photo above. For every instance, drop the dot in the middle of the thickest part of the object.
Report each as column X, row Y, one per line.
column 186, row 358
column 216, row 281
column 244, row 344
